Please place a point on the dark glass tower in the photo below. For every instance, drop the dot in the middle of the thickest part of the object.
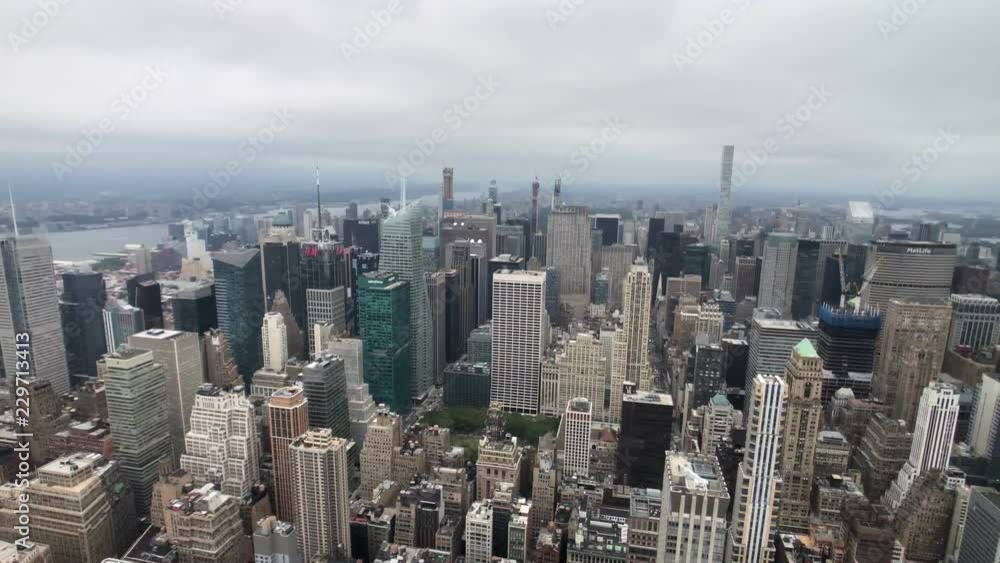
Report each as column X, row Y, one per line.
column 362, row 233
column 384, row 324
column 239, row 298
column 325, row 385
column 847, row 339
column 144, row 293
column 647, row 420
column 82, row 306
column 282, row 265
column 194, row 309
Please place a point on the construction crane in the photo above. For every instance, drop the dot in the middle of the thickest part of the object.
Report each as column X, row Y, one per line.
column 866, row 280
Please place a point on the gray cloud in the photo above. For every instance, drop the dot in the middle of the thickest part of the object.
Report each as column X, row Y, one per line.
column 225, row 77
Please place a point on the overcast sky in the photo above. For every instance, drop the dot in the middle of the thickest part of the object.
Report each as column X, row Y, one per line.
column 218, row 79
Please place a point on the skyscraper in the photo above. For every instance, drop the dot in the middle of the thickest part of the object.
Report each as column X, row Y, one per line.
column 82, row 309
column 519, row 328
column 321, row 493
column 693, row 509
column 631, row 349
column 724, row 215
column 240, row 303
column 325, row 383
column 771, row 341
column 384, row 434
column 910, row 353
column 287, row 419
column 70, row 511
column 274, row 337
column 746, row 277
column 29, row 304
column 222, row 445
column 975, row 322
column 144, row 292
column 220, row 369
column 180, row 355
column 205, row 526
column 618, row 259
column 360, row 406
column 883, row 451
column 981, row 540
column 847, row 339
column 401, row 255
column 803, row 419
column 933, row 437
column 281, row 272
column 646, row 423
column 447, row 189
column 384, row 324
column 568, row 249
column 137, row 411
column 777, row 276
column 582, row 372
column 479, row 532
column 194, row 309
column 907, row 270
column 758, row 477
column 121, row 320
column 576, row 424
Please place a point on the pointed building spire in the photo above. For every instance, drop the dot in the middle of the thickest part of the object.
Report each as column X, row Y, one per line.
column 13, row 211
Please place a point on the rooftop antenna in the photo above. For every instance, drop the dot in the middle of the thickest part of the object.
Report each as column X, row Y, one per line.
column 319, row 207
column 402, row 193
column 13, row 213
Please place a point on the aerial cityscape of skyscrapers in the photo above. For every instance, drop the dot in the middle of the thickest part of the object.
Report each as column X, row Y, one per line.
column 579, row 283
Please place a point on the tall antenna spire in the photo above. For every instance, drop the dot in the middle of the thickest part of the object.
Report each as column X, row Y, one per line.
column 402, row 193
column 13, row 213
column 319, row 207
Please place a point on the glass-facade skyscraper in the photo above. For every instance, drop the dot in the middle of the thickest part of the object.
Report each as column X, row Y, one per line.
column 383, row 321
column 240, row 305
column 402, row 254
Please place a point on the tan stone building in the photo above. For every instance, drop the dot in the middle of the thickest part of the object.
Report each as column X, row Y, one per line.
column 803, row 418
column 287, row 419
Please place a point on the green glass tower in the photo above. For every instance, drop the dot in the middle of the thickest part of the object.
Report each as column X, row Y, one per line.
column 384, row 323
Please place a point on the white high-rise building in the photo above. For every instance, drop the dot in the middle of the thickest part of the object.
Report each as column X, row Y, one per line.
column 716, row 423
column 693, row 510
column 180, row 354
column 401, row 253
column 29, row 303
column 479, row 532
column 985, row 426
column 274, row 338
column 222, row 445
column 322, row 494
column 777, row 275
column 758, row 478
column 576, row 425
column 708, row 327
column 933, row 437
column 724, row 215
column 518, row 339
column 631, row 356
